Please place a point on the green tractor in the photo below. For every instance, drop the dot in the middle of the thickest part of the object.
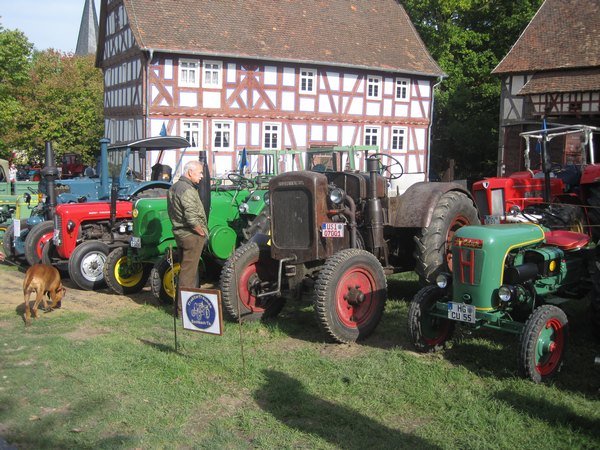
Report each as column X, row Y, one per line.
column 509, row 278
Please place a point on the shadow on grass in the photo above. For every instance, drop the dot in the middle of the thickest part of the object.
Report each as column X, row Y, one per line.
column 287, row 401
column 162, row 347
column 44, row 432
column 553, row 413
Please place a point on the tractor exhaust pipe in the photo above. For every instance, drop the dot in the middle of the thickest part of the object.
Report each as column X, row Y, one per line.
column 374, row 221
column 50, row 174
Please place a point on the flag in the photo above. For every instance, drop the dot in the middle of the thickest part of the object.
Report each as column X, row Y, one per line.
column 163, row 130
column 243, row 161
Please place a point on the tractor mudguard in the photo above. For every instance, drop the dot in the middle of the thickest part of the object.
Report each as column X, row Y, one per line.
column 415, row 207
column 139, row 187
column 69, row 198
column 261, row 239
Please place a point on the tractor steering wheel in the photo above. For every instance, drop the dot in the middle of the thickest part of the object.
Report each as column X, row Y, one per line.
column 240, row 181
column 385, row 170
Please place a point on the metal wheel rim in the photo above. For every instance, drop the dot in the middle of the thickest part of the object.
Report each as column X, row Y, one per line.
column 353, row 316
column 91, row 266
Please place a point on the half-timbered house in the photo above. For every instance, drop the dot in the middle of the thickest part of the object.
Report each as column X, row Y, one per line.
column 258, row 74
column 551, row 72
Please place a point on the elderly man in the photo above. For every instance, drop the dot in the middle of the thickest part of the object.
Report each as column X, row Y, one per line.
column 189, row 221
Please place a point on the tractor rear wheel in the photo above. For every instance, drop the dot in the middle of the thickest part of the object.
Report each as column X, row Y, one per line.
column 35, row 240
column 86, row 264
column 432, row 252
column 543, row 343
column 595, row 298
column 428, row 333
column 122, row 277
column 350, row 294
column 51, row 257
column 247, row 273
column 7, row 241
column 163, row 279
column 593, row 199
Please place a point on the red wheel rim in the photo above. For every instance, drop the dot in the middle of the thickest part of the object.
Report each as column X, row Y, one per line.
column 247, row 279
column 361, row 280
column 458, row 222
column 549, row 347
column 40, row 244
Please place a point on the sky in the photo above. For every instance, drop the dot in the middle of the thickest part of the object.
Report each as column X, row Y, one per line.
column 46, row 23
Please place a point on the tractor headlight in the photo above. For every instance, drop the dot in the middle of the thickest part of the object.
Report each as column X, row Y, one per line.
column 266, row 198
column 336, row 196
column 243, row 208
column 505, row 293
column 442, row 280
column 70, row 226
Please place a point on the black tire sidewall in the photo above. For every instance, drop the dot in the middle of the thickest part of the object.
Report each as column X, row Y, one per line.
column 33, row 237
column 75, row 260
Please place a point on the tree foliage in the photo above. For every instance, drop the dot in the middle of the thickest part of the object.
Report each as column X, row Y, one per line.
column 56, row 97
column 468, row 38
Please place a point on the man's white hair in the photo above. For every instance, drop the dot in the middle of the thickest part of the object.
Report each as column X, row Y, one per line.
column 191, row 165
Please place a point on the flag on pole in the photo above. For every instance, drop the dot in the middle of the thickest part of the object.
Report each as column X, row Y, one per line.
column 243, row 161
column 163, row 130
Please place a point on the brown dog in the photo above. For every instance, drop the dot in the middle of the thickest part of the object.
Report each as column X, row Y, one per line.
column 43, row 279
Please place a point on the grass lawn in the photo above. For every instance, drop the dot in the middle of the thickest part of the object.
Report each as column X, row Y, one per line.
column 110, row 378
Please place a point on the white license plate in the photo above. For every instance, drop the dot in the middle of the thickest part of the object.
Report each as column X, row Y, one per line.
column 135, row 242
column 461, row 312
column 491, row 220
column 332, row 230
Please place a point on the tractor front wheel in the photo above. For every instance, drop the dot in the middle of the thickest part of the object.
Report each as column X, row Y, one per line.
column 247, row 273
column 543, row 343
column 428, row 333
column 86, row 264
column 123, row 277
column 350, row 294
column 35, row 240
column 8, row 240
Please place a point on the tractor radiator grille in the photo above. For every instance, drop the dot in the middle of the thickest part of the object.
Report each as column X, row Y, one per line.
column 291, row 220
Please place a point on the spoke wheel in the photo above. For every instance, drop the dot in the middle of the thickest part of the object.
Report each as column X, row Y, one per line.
column 350, row 294
column 35, row 240
column 543, row 343
column 86, row 265
column 123, row 277
column 428, row 333
column 248, row 272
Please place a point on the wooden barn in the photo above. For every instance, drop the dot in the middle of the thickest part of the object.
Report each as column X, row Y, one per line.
column 552, row 72
column 258, row 74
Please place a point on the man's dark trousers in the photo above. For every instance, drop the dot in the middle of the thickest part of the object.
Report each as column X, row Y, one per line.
column 190, row 250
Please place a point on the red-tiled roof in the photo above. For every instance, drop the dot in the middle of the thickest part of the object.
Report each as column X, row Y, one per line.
column 563, row 81
column 374, row 34
column 562, row 34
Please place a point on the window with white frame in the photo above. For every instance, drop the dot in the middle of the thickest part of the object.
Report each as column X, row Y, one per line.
column 372, row 136
column 189, row 73
column 192, row 131
column 402, row 88
column 308, row 81
column 222, row 135
column 271, row 135
column 373, row 87
column 398, row 139
column 212, row 74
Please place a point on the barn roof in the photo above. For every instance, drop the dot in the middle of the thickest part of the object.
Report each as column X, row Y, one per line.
column 370, row 34
column 563, row 34
column 585, row 80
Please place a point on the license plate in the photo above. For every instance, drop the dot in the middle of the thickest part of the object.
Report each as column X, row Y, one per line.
column 461, row 312
column 332, row 230
column 135, row 242
column 491, row 220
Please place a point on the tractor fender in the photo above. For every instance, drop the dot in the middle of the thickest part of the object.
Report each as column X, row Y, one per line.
column 261, row 239
column 137, row 188
column 415, row 207
column 69, row 198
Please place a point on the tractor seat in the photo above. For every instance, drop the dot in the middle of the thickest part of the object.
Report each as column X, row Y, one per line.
column 566, row 240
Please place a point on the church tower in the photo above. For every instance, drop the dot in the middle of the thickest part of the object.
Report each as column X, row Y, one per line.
column 87, row 40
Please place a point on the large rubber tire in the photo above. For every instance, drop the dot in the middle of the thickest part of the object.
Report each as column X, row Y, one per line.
column 86, row 265
column 350, row 294
column 35, row 240
column 593, row 199
column 565, row 217
column 428, row 333
column 248, row 271
column 163, row 280
column 595, row 298
column 432, row 251
column 543, row 343
column 51, row 257
column 7, row 241
column 122, row 279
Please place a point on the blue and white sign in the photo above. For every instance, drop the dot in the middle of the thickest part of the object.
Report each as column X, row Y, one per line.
column 201, row 310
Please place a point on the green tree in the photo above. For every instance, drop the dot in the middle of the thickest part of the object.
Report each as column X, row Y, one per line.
column 15, row 60
column 468, row 38
column 62, row 103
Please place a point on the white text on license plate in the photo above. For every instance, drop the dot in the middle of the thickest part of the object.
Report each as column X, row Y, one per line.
column 135, row 242
column 491, row 220
column 462, row 312
column 332, row 230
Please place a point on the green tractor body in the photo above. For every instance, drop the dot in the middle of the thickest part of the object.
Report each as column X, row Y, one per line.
column 508, row 278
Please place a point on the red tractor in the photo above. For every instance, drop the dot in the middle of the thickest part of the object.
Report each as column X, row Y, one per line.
column 557, row 195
